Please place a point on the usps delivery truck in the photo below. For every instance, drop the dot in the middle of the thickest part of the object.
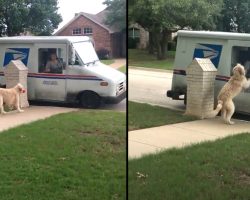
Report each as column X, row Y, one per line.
column 224, row 49
column 82, row 77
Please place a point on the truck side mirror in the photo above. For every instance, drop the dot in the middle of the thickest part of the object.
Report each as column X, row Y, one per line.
column 72, row 55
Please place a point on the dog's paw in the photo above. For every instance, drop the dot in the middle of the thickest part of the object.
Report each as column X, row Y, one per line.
column 230, row 122
column 20, row 110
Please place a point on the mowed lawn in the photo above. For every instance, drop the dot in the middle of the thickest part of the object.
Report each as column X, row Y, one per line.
column 141, row 58
column 78, row 155
column 141, row 115
column 217, row 170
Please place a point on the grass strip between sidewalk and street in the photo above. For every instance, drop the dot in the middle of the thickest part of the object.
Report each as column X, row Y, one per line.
column 107, row 62
column 123, row 69
column 78, row 155
column 141, row 115
column 211, row 170
column 141, row 58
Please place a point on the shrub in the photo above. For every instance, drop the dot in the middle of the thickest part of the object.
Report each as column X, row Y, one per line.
column 132, row 42
column 172, row 46
column 103, row 54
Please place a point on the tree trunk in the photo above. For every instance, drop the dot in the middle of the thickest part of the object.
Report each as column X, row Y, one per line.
column 157, row 41
column 164, row 44
column 151, row 45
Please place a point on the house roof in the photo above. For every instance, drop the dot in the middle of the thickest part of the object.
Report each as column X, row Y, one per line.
column 98, row 18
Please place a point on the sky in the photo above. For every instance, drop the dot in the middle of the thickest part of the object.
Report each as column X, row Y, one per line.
column 68, row 8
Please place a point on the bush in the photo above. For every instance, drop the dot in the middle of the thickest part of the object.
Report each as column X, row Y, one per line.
column 172, row 46
column 132, row 42
column 103, row 54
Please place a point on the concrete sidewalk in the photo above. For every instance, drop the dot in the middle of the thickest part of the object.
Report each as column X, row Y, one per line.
column 33, row 113
column 153, row 140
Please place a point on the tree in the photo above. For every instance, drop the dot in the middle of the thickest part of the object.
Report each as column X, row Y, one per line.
column 235, row 16
column 117, row 13
column 162, row 17
column 37, row 16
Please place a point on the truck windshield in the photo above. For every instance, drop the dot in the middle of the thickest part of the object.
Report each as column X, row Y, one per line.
column 86, row 52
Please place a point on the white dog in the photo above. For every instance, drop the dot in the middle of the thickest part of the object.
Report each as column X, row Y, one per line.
column 11, row 97
column 230, row 90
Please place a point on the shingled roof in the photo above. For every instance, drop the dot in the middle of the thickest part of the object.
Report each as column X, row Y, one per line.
column 98, row 18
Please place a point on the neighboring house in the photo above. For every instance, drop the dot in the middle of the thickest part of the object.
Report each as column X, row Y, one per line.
column 104, row 36
column 136, row 31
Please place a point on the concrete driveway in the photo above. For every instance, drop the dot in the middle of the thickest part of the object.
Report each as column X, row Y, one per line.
column 30, row 114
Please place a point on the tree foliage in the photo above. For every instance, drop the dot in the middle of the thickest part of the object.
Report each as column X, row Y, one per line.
column 40, row 17
column 117, row 13
column 162, row 17
column 235, row 16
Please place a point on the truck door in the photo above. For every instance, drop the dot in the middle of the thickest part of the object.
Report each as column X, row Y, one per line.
column 50, row 77
column 241, row 54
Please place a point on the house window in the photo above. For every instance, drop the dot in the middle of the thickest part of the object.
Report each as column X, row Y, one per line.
column 76, row 31
column 134, row 33
column 87, row 31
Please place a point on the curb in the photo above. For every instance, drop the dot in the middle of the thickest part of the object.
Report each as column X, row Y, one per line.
column 151, row 69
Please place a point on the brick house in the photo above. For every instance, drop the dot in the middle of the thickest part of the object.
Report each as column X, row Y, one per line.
column 104, row 36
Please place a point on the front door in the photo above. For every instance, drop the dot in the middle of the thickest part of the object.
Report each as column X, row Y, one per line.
column 50, row 78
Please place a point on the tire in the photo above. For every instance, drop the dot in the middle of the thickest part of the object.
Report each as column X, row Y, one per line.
column 90, row 100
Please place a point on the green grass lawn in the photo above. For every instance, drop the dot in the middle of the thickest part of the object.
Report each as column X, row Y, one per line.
column 141, row 58
column 78, row 155
column 217, row 170
column 141, row 115
column 107, row 62
column 123, row 69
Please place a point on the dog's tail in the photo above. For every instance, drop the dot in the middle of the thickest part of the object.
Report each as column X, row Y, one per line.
column 215, row 112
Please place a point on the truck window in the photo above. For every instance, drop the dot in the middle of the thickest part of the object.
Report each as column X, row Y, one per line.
column 50, row 60
column 241, row 55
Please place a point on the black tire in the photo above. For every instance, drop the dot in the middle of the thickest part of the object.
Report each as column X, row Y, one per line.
column 90, row 100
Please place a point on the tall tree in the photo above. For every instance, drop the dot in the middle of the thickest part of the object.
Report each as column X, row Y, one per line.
column 38, row 16
column 235, row 16
column 117, row 13
column 162, row 17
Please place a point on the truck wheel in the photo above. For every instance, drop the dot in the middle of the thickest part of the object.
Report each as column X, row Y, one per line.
column 90, row 100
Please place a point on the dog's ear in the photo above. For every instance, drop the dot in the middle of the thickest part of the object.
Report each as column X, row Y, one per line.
column 241, row 70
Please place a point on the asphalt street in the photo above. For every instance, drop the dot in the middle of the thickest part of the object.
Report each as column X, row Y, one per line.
column 151, row 87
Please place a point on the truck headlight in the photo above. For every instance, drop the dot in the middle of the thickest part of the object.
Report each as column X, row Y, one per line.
column 104, row 83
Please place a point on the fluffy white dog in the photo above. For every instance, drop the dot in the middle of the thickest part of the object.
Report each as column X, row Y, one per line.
column 230, row 90
column 11, row 97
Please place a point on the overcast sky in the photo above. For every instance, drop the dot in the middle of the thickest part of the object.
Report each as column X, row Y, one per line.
column 68, row 8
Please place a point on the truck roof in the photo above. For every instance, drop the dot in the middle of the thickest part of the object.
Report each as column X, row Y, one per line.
column 41, row 39
column 214, row 34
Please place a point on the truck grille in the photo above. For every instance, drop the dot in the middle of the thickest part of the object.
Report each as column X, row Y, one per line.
column 121, row 87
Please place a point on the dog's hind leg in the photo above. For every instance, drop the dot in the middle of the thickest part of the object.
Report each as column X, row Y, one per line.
column 223, row 113
column 229, row 112
column 1, row 105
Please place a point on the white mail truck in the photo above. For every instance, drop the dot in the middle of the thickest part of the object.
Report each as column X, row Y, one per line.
column 224, row 49
column 63, row 69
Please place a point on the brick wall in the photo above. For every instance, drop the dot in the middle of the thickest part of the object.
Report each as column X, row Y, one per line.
column 100, row 35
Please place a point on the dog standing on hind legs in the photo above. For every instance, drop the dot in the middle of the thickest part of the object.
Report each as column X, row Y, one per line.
column 11, row 97
column 230, row 90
